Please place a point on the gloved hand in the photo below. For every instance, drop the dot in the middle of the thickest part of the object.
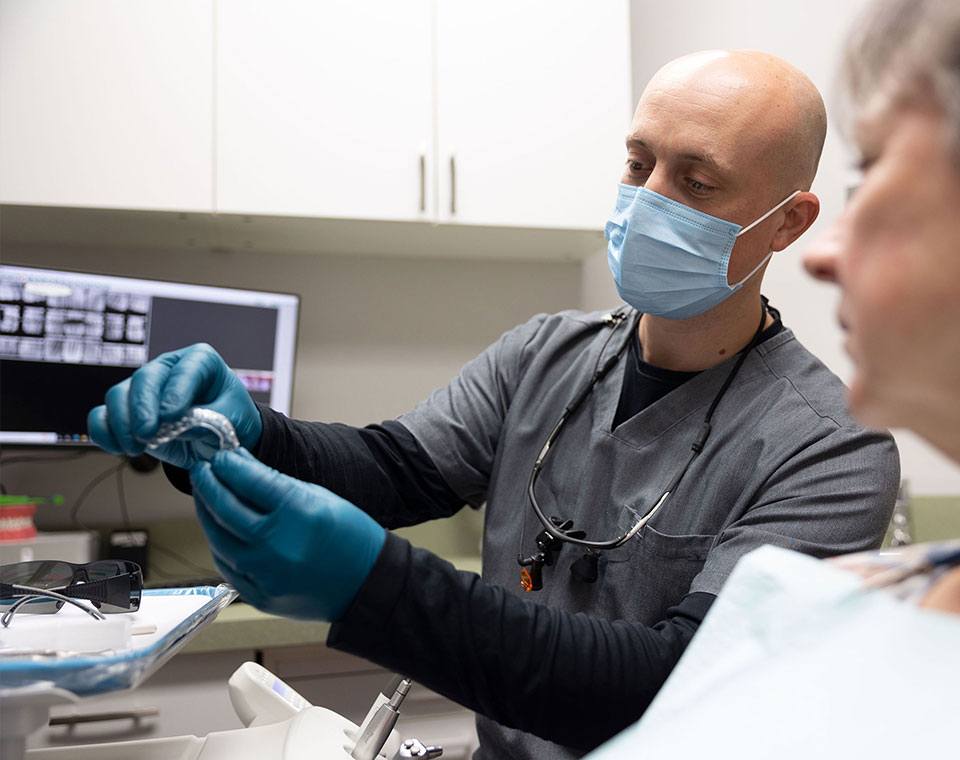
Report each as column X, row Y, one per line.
column 162, row 391
column 289, row 547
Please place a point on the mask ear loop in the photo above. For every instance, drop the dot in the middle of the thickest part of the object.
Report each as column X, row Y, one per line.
column 753, row 224
column 772, row 211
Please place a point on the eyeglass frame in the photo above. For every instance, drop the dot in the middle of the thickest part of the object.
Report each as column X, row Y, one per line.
column 98, row 592
column 32, row 594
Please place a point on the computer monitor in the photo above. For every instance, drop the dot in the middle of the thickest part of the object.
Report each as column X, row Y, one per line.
column 66, row 337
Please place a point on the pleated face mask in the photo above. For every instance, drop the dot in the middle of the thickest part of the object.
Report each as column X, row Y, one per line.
column 670, row 260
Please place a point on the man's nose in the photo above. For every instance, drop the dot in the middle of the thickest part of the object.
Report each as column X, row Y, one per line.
column 821, row 260
column 659, row 182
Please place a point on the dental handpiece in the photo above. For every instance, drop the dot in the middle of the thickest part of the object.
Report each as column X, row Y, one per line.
column 377, row 730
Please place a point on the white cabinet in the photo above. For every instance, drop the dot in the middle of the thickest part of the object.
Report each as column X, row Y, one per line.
column 106, row 103
column 324, row 109
column 496, row 113
column 533, row 105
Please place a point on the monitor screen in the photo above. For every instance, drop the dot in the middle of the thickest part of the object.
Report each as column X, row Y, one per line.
column 66, row 337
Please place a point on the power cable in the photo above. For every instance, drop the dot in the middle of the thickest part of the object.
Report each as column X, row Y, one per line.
column 34, row 458
column 125, row 515
column 88, row 489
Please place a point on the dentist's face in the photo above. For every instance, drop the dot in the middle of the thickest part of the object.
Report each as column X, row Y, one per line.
column 730, row 134
column 895, row 254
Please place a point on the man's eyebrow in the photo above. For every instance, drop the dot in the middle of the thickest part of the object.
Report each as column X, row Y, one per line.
column 701, row 158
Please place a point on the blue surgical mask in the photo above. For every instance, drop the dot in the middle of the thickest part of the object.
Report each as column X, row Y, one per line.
column 671, row 260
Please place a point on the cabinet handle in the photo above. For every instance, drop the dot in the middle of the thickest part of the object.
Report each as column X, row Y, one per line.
column 423, row 182
column 453, row 185
column 134, row 715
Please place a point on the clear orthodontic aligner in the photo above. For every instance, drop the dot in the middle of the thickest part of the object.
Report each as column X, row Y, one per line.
column 202, row 418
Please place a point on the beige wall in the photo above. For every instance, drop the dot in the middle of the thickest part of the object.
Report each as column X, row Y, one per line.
column 376, row 335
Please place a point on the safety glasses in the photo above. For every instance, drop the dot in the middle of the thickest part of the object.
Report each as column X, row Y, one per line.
column 44, row 586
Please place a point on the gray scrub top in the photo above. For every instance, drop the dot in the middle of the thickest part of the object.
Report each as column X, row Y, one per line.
column 785, row 464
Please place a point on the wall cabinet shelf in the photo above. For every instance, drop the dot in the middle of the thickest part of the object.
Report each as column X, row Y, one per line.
column 123, row 230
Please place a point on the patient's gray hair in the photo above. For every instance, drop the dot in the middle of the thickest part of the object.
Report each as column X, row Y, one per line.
column 906, row 52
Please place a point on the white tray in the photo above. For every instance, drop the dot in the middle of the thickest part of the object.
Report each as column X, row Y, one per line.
column 31, row 684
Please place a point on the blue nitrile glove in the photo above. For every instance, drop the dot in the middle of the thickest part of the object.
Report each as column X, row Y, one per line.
column 289, row 547
column 163, row 390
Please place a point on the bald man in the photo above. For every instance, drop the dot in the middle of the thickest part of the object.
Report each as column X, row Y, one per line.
column 626, row 459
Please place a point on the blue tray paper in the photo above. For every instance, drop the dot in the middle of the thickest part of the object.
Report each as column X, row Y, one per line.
column 89, row 674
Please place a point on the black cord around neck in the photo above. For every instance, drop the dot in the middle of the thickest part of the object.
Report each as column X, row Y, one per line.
column 754, row 342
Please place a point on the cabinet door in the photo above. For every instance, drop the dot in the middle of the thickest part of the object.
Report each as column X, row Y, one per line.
column 324, row 108
column 106, row 103
column 534, row 103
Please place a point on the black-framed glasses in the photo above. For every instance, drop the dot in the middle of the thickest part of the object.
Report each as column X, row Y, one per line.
column 44, row 586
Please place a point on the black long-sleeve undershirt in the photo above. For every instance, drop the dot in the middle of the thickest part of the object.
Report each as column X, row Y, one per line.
column 569, row 678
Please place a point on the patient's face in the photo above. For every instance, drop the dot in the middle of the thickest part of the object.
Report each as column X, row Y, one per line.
column 895, row 253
